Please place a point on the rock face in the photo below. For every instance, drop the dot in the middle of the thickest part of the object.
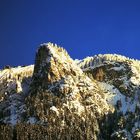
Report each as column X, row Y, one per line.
column 97, row 98
column 119, row 78
column 63, row 98
column 14, row 86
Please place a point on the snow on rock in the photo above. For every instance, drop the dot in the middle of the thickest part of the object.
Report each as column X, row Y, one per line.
column 13, row 116
column 69, row 95
column 118, row 68
column 31, row 120
column 61, row 93
column 135, row 79
column 12, row 82
column 53, row 108
column 113, row 95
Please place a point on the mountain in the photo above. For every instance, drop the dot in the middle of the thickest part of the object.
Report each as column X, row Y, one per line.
column 119, row 78
column 97, row 98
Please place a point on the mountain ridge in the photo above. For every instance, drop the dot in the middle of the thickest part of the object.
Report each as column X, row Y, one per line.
column 61, row 98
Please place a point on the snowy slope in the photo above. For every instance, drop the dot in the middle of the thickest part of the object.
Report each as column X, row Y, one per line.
column 119, row 79
column 14, row 86
column 94, row 98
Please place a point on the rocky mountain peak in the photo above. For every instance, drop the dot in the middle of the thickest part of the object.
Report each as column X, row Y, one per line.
column 60, row 98
column 60, row 93
column 52, row 63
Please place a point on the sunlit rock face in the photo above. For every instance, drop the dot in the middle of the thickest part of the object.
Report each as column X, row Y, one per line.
column 58, row 98
column 63, row 98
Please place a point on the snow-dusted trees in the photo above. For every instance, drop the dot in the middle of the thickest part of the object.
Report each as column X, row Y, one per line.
column 102, row 58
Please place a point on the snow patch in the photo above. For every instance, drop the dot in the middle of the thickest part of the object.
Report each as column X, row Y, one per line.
column 53, row 108
column 31, row 120
column 118, row 68
column 113, row 95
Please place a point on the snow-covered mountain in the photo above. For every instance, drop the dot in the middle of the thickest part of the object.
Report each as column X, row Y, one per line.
column 119, row 78
column 60, row 98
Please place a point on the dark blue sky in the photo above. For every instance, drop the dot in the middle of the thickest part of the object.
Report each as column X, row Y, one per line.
column 82, row 27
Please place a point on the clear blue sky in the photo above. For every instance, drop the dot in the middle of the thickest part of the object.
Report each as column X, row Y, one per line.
column 82, row 27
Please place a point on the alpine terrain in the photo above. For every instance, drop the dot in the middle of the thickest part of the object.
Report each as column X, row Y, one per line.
column 58, row 98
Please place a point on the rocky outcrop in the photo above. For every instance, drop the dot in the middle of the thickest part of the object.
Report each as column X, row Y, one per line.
column 118, row 77
column 14, row 85
column 117, row 70
column 64, row 98
column 59, row 98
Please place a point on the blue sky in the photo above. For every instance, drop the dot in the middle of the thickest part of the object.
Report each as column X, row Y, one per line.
column 82, row 27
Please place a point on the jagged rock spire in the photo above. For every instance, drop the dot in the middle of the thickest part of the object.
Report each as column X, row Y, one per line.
column 52, row 63
column 62, row 95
